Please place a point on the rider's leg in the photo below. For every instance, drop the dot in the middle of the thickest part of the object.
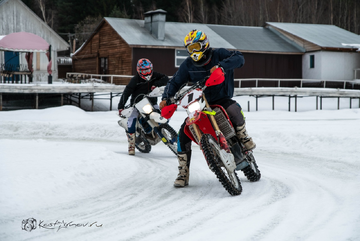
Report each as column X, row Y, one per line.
column 131, row 132
column 184, row 157
column 237, row 118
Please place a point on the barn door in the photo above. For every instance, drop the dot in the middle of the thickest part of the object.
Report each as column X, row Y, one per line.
column 104, row 67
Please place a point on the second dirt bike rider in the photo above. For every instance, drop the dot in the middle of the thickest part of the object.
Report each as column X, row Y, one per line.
column 202, row 62
column 142, row 83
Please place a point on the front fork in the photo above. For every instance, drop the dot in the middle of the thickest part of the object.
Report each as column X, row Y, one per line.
column 162, row 137
column 226, row 156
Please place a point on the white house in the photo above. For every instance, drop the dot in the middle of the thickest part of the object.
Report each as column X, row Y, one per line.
column 331, row 52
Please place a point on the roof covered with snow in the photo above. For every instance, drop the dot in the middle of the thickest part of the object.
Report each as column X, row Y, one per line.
column 322, row 35
column 220, row 36
column 134, row 33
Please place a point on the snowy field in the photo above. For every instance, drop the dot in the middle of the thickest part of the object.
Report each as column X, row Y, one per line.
column 68, row 169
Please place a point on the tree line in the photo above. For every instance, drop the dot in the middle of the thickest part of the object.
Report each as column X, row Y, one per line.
column 80, row 17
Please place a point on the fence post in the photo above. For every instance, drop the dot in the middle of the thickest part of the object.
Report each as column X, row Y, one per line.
column 92, row 101
column 273, row 102
column 320, row 102
column 0, row 101
column 257, row 97
column 317, row 102
column 338, row 105
column 289, row 102
column 248, row 106
column 295, row 103
column 36, row 101
column 110, row 100
column 350, row 102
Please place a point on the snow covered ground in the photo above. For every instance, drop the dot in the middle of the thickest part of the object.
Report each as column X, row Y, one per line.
column 69, row 170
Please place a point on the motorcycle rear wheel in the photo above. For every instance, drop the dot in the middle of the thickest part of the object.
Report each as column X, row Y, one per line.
column 252, row 171
column 230, row 181
column 141, row 143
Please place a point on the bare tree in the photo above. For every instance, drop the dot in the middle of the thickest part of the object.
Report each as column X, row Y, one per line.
column 202, row 12
column 85, row 28
column 48, row 15
column 186, row 13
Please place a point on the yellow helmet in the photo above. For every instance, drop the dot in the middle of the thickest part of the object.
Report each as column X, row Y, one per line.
column 196, row 44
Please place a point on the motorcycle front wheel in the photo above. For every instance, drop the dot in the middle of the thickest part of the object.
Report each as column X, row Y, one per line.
column 141, row 143
column 170, row 135
column 229, row 180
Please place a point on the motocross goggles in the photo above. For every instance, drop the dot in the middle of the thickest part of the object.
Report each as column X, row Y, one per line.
column 194, row 47
column 145, row 71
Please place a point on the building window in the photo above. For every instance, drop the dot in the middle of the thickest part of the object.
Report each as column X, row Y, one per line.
column 312, row 61
column 180, row 56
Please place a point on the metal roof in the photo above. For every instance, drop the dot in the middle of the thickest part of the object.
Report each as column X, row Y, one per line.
column 135, row 34
column 322, row 35
column 254, row 39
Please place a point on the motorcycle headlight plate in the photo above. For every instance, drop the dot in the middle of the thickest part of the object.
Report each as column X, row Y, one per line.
column 194, row 107
column 147, row 108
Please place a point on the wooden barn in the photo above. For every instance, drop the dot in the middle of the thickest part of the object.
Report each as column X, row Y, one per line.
column 117, row 44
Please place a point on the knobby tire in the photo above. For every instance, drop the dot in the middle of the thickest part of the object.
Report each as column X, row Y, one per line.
column 145, row 147
column 173, row 135
column 214, row 162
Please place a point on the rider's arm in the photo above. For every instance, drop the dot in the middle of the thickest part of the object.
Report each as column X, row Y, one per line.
column 129, row 89
column 160, row 79
column 230, row 60
column 177, row 81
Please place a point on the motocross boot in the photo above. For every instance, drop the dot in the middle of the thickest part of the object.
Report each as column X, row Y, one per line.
column 131, row 140
column 182, row 179
column 244, row 138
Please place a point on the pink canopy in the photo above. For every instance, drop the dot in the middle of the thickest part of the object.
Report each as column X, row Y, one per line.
column 23, row 42
column 26, row 42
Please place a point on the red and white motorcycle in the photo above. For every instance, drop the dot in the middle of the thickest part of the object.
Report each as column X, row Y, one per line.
column 211, row 128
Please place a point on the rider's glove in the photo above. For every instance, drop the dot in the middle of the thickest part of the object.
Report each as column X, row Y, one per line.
column 162, row 104
column 120, row 110
column 153, row 87
column 215, row 67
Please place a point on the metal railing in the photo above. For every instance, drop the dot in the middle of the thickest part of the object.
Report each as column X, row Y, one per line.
column 239, row 83
column 70, row 75
column 322, row 83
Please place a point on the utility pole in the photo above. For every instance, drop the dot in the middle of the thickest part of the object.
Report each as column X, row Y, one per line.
column 72, row 47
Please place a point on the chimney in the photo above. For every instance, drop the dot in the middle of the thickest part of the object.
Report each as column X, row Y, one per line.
column 155, row 23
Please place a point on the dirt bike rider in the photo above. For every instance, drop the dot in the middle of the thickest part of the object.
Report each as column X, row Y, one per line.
column 142, row 83
column 203, row 61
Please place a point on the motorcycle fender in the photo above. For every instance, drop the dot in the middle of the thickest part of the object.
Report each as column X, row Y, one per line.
column 123, row 123
column 157, row 118
column 203, row 122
